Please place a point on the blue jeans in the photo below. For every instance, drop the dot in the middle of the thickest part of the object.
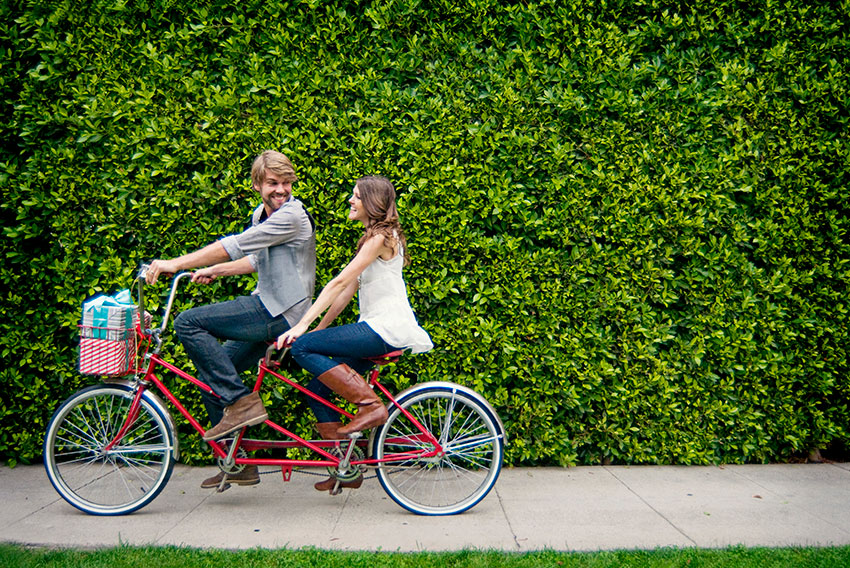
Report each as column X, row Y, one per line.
column 246, row 328
column 322, row 350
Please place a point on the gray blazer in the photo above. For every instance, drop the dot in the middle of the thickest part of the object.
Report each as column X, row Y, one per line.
column 282, row 249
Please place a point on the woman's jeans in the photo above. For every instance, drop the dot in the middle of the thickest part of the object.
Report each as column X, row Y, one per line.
column 245, row 326
column 322, row 350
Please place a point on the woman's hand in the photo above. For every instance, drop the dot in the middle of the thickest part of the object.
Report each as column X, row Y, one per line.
column 288, row 337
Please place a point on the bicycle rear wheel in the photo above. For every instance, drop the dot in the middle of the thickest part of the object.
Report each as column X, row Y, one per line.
column 454, row 481
column 117, row 481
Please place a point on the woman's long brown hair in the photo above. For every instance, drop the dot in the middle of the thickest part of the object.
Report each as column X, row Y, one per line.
column 378, row 197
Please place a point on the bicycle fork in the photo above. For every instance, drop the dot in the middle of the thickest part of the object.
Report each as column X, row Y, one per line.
column 132, row 414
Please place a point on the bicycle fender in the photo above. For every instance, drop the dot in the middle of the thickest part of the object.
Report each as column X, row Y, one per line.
column 445, row 385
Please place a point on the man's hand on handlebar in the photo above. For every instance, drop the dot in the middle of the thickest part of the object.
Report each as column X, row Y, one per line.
column 204, row 276
column 158, row 267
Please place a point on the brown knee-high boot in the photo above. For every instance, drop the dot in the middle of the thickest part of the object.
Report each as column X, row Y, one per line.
column 328, row 431
column 345, row 381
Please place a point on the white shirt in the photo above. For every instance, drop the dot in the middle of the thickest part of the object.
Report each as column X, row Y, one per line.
column 384, row 306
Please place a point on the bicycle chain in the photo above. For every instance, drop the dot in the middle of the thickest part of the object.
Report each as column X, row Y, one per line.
column 305, row 472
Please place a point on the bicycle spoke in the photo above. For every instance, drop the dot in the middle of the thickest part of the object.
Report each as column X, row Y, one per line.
column 86, row 433
column 470, row 442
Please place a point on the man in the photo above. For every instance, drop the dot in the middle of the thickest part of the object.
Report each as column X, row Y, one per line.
column 280, row 246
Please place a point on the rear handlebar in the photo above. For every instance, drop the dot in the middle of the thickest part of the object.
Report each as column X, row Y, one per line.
column 269, row 357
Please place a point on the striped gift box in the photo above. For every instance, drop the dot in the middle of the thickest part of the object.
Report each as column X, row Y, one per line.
column 104, row 357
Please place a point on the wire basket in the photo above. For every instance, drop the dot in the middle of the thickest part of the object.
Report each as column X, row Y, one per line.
column 109, row 350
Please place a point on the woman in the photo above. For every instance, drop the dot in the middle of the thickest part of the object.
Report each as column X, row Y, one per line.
column 336, row 356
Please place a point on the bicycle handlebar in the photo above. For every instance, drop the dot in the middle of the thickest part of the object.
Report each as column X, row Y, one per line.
column 140, row 278
column 143, row 269
column 171, row 298
column 156, row 332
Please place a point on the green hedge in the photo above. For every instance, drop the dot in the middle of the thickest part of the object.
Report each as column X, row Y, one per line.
column 628, row 220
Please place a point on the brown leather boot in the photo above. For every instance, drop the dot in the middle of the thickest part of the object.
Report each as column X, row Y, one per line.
column 345, row 381
column 329, row 483
column 247, row 411
column 248, row 476
column 328, row 431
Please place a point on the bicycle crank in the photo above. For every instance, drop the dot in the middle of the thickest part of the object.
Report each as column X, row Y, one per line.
column 344, row 472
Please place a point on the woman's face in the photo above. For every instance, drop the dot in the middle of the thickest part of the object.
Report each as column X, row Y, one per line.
column 357, row 211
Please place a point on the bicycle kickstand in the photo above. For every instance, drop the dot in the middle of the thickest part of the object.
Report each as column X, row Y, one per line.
column 343, row 465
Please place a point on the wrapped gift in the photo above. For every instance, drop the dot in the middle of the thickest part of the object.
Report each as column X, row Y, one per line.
column 106, row 357
column 109, row 317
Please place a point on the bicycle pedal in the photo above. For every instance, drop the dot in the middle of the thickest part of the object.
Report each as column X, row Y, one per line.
column 337, row 489
column 224, row 486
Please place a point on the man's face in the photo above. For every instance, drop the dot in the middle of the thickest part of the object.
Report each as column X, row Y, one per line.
column 274, row 192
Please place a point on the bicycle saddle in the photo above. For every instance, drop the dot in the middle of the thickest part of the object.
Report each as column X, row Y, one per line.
column 386, row 358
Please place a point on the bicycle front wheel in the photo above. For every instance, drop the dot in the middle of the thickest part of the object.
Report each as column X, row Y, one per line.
column 119, row 480
column 445, row 484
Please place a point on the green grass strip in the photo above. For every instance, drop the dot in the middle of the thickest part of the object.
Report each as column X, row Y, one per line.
column 12, row 556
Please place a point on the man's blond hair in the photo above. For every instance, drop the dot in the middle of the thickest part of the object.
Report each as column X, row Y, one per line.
column 274, row 162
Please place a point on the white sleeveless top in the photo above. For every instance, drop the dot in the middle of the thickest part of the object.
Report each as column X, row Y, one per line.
column 384, row 305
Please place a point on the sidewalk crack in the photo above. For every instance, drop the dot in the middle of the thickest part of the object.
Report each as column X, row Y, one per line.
column 507, row 519
column 798, row 507
column 648, row 504
column 181, row 520
column 14, row 522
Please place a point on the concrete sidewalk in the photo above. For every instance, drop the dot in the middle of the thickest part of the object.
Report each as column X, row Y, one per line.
column 575, row 509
